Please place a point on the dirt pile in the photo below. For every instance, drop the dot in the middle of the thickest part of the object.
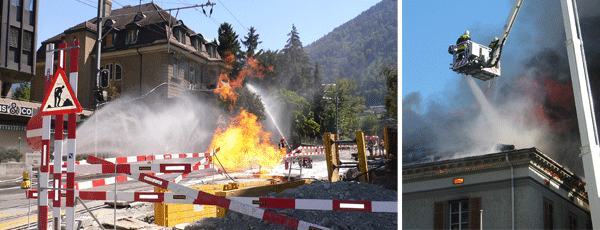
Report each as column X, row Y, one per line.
column 332, row 219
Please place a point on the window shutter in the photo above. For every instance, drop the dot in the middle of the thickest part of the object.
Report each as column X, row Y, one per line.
column 474, row 212
column 439, row 215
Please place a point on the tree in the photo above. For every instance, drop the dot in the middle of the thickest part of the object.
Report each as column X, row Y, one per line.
column 251, row 42
column 295, row 70
column 251, row 102
column 391, row 82
column 23, row 92
column 7, row 154
column 349, row 108
column 229, row 45
column 228, row 41
column 299, row 110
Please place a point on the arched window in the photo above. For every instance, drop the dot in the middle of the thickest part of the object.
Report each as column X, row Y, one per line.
column 118, row 75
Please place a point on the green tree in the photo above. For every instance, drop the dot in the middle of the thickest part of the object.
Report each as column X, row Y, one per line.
column 391, row 99
column 370, row 124
column 295, row 69
column 251, row 42
column 229, row 45
column 228, row 40
column 349, row 108
column 23, row 92
column 299, row 109
column 8, row 154
column 251, row 102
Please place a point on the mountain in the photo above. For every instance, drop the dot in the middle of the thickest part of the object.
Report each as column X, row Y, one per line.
column 357, row 49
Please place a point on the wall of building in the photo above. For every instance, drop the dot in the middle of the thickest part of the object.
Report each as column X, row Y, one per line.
column 12, row 169
column 494, row 188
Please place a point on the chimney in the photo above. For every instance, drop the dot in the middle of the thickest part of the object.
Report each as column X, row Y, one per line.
column 107, row 8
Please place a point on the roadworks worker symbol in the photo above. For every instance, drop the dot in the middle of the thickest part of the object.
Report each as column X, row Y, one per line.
column 59, row 98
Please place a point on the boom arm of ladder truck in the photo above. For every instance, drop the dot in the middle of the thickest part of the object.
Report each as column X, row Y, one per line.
column 497, row 51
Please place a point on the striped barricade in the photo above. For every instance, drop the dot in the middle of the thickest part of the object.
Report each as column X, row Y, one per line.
column 201, row 197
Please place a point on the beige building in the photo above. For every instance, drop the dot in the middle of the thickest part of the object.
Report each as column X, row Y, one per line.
column 518, row 189
column 147, row 51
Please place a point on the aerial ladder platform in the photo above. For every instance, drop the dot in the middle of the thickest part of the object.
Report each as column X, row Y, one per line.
column 481, row 61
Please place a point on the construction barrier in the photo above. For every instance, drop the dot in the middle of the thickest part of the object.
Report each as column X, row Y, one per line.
column 169, row 214
column 332, row 147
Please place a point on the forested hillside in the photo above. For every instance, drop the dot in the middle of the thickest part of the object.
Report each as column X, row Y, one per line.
column 357, row 49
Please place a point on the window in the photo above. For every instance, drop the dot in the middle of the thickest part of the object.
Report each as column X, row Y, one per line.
column 17, row 3
column 192, row 74
column 572, row 221
column 110, row 40
column 114, row 73
column 117, row 75
column 459, row 214
column 13, row 37
column 195, row 43
column 548, row 215
column 174, row 65
column 132, row 36
column 27, row 40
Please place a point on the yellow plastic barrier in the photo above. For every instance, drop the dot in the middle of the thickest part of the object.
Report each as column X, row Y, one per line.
column 169, row 215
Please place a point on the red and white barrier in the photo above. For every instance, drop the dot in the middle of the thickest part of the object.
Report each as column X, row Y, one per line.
column 306, row 151
column 201, row 197
column 44, row 176
column 335, row 205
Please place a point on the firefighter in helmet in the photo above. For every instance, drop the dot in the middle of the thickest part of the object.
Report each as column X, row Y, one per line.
column 461, row 45
column 282, row 143
column 494, row 43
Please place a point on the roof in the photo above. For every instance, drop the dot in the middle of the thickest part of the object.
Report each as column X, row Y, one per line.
column 491, row 161
column 156, row 20
column 124, row 17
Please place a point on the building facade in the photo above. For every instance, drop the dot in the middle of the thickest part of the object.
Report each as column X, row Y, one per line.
column 519, row 189
column 147, row 52
column 18, row 39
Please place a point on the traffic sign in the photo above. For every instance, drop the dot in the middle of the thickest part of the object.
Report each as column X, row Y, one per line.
column 60, row 99
column 34, row 132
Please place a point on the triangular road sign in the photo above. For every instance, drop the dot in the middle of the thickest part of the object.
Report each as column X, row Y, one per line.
column 60, row 98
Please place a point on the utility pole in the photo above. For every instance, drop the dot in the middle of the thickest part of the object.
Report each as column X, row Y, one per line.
column 97, row 87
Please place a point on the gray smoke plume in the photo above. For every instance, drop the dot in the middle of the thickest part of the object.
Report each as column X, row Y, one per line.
column 533, row 98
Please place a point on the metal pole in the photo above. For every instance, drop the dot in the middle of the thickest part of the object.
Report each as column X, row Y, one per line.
column 115, row 204
column 90, row 212
column 28, row 214
column 337, row 130
column 481, row 219
column 98, row 57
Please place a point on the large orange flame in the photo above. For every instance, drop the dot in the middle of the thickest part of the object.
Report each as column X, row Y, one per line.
column 227, row 85
column 244, row 144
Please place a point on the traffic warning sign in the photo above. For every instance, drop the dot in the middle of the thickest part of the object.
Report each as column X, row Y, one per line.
column 34, row 132
column 60, row 98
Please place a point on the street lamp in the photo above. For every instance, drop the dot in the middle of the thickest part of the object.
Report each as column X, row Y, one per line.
column 337, row 131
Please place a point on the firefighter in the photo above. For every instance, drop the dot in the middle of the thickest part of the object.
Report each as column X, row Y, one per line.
column 494, row 43
column 282, row 143
column 460, row 46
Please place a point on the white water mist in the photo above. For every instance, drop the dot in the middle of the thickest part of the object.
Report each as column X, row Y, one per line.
column 164, row 126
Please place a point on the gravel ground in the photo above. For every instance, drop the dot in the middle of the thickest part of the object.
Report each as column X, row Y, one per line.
column 331, row 219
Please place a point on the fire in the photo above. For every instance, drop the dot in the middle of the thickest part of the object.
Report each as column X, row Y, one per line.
column 245, row 144
column 227, row 85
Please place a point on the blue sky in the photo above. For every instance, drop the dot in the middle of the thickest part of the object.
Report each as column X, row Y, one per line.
column 429, row 27
column 271, row 18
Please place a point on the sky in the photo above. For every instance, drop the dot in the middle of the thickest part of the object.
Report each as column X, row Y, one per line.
column 429, row 27
column 272, row 19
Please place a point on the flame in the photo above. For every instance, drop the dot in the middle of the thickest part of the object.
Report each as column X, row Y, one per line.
column 244, row 144
column 227, row 85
